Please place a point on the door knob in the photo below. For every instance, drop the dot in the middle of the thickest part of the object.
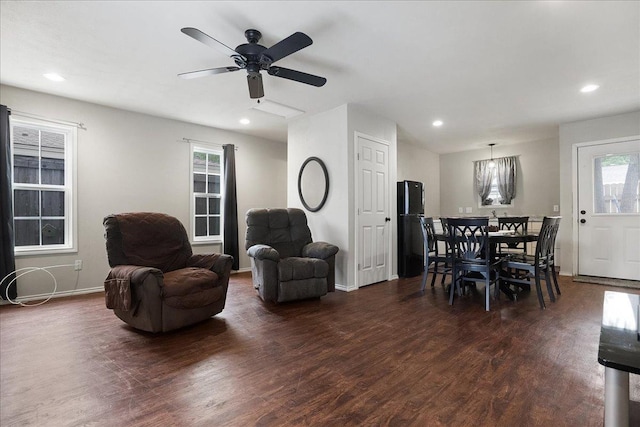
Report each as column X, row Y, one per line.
column 582, row 221
column 387, row 219
column 583, row 212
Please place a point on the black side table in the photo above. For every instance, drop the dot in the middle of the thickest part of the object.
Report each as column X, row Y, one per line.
column 619, row 352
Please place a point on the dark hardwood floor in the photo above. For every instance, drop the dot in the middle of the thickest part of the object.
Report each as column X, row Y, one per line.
column 386, row 354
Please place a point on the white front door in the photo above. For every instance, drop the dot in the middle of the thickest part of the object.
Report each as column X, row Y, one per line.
column 609, row 210
column 373, row 211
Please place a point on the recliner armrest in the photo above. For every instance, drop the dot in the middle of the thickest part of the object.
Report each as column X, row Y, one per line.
column 218, row 263
column 263, row 252
column 134, row 273
column 123, row 278
column 223, row 265
column 321, row 250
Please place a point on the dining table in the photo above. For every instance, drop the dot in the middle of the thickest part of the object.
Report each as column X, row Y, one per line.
column 509, row 237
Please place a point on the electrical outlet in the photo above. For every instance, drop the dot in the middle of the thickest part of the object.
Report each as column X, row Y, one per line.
column 556, row 208
column 77, row 265
column 460, row 210
column 469, row 210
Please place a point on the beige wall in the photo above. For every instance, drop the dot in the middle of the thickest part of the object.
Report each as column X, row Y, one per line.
column 418, row 164
column 324, row 136
column 331, row 136
column 135, row 162
column 380, row 128
column 537, row 186
column 129, row 161
column 600, row 129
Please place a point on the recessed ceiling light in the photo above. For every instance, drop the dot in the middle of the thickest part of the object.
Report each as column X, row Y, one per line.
column 245, row 121
column 437, row 123
column 589, row 88
column 54, row 77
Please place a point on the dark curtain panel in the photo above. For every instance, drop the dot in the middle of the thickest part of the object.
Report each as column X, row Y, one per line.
column 7, row 259
column 230, row 209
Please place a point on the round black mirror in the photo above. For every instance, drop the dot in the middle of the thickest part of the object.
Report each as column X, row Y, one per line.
column 313, row 184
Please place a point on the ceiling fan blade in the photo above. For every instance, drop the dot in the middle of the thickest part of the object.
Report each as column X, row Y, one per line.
column 210, row 41
column 286, row 47
column 297, row 76
column 256, row 90
column 207, row 72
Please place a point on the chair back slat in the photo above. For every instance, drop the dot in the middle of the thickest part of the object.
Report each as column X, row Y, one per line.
column 429, row 235
column 445, row 227
column 425, row 233
column 546, row 239
column 519, row 224
column 430, row 229
column 554, row 235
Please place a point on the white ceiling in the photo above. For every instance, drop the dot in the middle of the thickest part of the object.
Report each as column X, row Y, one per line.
column 494, row 72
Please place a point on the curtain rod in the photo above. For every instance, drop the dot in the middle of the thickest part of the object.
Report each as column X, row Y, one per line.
column 46, row 119
column 496, row 158
column 207, row 142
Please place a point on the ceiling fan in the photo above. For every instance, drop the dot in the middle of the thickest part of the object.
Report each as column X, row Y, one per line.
column 254, row 57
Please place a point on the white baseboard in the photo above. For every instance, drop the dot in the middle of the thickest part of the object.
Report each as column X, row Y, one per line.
column 61, row 294
column 346, row 288
column 56, row 295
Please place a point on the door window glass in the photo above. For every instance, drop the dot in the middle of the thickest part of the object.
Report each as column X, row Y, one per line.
column 616, row 184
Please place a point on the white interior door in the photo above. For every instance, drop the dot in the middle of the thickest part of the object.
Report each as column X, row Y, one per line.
column 609, row 210
column 373, row 211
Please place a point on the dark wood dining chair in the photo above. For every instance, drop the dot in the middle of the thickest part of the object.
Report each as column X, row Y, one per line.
column 434, row 261
column 538, row 266
column 442, row 264
column 517, row 224
column 472, row 257
column 552, row 256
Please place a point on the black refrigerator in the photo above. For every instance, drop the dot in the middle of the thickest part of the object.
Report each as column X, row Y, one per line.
column 410, row 243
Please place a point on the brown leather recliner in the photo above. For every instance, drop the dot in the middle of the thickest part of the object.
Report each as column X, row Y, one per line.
column 156, row 284
column 286, row 264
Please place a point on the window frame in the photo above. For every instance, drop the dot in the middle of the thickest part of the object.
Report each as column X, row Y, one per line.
column 205, row 149
column 69, row 187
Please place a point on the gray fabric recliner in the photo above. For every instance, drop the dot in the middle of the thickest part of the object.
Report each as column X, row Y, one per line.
column 286, row 264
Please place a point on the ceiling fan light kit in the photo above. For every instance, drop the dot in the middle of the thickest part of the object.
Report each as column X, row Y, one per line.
column 254, row 58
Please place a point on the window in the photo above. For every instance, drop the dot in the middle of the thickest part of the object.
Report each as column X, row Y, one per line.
column 43, row 180
column 494, row 198
column 206, row 190
column 495, row 181
column 616, row 184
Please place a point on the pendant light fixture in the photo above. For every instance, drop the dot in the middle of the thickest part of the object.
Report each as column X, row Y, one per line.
column 491, row 164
